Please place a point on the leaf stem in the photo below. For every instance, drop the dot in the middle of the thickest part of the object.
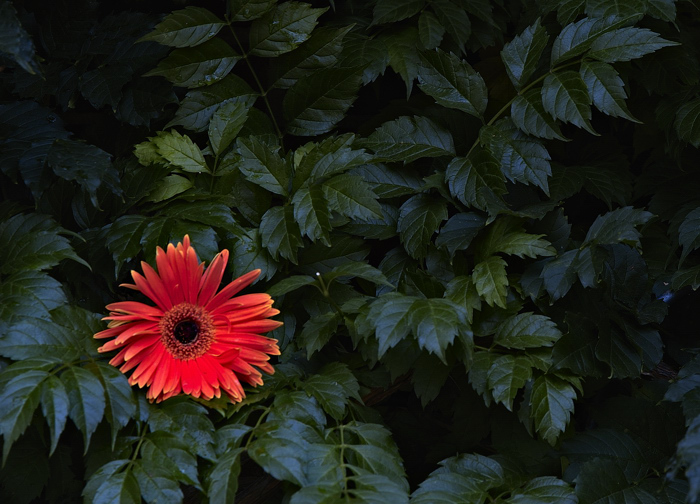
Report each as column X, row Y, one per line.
column 327, row 295
column 263, row 91
column 263, row 415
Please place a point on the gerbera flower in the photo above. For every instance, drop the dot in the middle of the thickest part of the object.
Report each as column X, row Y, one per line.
column 194, row 340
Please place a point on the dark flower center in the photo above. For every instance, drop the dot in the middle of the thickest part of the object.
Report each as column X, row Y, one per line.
column 186, row 332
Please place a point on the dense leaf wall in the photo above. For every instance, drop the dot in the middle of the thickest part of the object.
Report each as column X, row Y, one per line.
column 479, row 219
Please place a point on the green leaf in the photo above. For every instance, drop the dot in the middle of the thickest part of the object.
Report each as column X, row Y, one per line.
column 263, row 166
column 357, row 269
column 352, row 197
column 223, row 479
column 419, row 218
column 87, row 400
column 687, row 122
column 171, row 454
column 605, row 87
column 370, row 53
column 283, row 28
column 391, row 316
column 527, row 330
column 435, row 324
column 197, row 66
column 36, row 338
column 170, row 186
column 120, row 404
column 249, row 253
column 198, row 106
column 612, row 444
column 462, row 291
column 54, row 406
column 662, row 9
column 407, row 139
column 452, row 82
column 507, row 375
column 690, row 276
column 491, row 281
column 618, row 226
column 390, row 11
column 430, row 30
column 322, row 50
column 460, row 479
column 560, row 274
column 156, row 484
column 191, row 427
column 318, row 331
column 332, row 156
column 403, row 54
column 180, row 151
column 15, row 41
column 608, row 183
column 565, row 97
column 552, row 402
column 375, row 451
column 102, row 477
column 29, row 294
column 121, row 487
column 428, row 376
column 459, row 231
column 290, row 450
column 247, row 10
column 21, row 395
column 188, row 27
column 506, row 236
column 528, row 114
column 333, row 386
column 522, row 159
column 86, row 164
column 317, row 102
column 521, row 55
column 455, row 20
column 625, row 44
column 603, row 480
column 312, row 213
column 290, row 284
column 624, row 359
column 544, row 490
column 123, row 239
column 577, row 38
column 280, row 233
column 476, row 180
column 32, row 242
column 604, row 8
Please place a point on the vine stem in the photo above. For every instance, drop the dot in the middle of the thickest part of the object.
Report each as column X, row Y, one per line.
column 342, row 463
column 263, row 91
column 507, row 106
column 327, row 295
column 263, row 415
column 142, row 436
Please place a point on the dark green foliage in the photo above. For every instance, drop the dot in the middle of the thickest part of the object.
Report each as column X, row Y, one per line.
column 488, row 281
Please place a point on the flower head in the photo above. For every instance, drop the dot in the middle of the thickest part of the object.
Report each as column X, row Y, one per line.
column 194, row 340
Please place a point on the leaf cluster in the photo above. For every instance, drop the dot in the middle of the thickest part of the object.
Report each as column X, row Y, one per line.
column 479, row 219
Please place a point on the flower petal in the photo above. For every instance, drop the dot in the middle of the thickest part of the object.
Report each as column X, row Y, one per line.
column 212, row 278
column 232, row 289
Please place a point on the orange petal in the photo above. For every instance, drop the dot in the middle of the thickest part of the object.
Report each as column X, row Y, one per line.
column 212, row 278
column 232, row 289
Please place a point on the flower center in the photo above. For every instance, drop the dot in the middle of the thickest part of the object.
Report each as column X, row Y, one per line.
column 187, row 331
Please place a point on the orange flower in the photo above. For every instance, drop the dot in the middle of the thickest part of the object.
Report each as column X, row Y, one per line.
column 194, row 341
